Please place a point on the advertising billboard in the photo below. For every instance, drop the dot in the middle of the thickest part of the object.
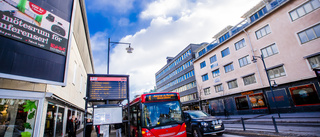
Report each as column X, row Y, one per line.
column 34, row 38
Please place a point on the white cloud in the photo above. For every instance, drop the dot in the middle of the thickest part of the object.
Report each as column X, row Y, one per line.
column 194, row 22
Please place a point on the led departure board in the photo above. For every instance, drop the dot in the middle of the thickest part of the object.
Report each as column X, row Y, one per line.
column 107, row 87
column 161, row 96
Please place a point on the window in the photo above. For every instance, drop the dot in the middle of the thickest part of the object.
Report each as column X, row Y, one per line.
column 276, row 72
column 240, row 44
column 269, row 51
column 244, row 61
column 257, row 101
column 224, row 37
column 314, row 62
column 263, row 32
column 258, row 14
column 232, row 84
column 74, row 73
column 304, row 95
column 205, row 77
column 225, row 52
column 203, row 64
column 241, row 102
column 228, row 68
column 218, row 88
column 206, row 91
column 213, row 59
column 304, row 9
column 203, row 51
column 18, row 112
column 249, row 80
column 309, row 34
column 216, row 73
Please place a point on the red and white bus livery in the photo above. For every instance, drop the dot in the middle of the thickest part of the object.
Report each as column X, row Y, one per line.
column 157, row 115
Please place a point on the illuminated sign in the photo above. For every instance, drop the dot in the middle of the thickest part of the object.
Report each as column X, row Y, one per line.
column 247, row 93
column 105, row 87
column 163, row 96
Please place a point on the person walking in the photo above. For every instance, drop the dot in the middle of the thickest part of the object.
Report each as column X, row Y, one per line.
column 72, row 126
column 89, row 128
column 118, row 128
column 98, row 130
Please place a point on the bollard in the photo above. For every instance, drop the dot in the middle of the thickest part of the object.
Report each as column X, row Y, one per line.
column 244, row 127
column 275, row 124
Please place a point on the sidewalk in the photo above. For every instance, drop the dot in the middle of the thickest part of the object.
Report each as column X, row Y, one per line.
column 93, row 134
column 290, row 124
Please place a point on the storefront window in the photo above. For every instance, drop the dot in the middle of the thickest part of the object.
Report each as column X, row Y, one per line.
column 50, row 120
column 17, row 117
column 59, row 127
column 241, row 102
column 257, row 101
column 304, row 95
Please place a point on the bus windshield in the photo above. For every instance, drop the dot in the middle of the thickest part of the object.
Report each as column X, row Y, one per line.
column 161, row 113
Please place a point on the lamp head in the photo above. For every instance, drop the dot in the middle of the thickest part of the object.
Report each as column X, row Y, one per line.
column 129, row 49
column 274, row 84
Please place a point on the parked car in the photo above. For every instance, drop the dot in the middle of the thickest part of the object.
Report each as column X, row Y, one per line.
column 200, row 123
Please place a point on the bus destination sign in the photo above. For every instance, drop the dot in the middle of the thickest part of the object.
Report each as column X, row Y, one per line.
column 107, row 88
column 163, row 96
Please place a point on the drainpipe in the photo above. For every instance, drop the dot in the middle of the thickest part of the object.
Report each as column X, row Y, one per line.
column 253, row 55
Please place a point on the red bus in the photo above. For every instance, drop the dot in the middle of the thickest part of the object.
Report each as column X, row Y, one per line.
column 157, row 115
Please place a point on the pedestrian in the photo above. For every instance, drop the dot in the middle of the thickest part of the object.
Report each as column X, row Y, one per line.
column 72, row 126
column 118, row 128
column 89, row 128
column 98, row 130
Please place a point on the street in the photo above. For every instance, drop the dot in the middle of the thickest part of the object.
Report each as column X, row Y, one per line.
column 224, row 135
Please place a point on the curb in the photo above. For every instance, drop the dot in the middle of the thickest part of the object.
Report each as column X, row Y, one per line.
column 264, row 133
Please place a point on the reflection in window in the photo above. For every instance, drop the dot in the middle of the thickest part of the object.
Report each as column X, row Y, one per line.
column 241, row 102
column 304, row 9
column 14, row 120
column 276, row 72
column 249, row 80
column 304, row 95
column 263, row 32
column 314, row 62
column 257, row 101
column 309, row 34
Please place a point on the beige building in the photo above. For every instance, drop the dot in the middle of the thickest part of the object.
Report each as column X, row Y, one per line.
column 47, row 107
column 282, row 33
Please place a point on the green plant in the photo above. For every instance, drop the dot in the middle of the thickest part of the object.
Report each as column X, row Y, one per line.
column 30, row 106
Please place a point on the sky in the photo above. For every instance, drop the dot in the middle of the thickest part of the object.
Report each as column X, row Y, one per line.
column 156, row 29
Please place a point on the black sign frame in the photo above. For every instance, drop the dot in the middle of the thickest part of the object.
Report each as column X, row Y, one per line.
column 91, row 78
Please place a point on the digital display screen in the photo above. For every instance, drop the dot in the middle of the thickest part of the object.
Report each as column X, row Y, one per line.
column 164, row 96
column 108, row 87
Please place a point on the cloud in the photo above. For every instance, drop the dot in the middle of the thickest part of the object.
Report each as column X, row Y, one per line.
column 174, row 24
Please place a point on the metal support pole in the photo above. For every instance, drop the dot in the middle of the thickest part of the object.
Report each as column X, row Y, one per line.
column 265, row 68
column 129, row 118
column 275, row 124
column 244, row 127
column 108, row 55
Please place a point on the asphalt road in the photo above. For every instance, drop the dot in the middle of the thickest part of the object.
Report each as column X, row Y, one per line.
column 224, row 135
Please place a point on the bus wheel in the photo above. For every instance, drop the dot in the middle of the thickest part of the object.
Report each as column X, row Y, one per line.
column 196, row 132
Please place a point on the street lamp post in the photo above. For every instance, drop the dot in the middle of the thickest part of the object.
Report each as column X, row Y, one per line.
column 129, row 50
column 254, row 60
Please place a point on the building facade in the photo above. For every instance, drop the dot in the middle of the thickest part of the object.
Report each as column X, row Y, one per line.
column 43, row 109
column 283, row 34
column 178, row 76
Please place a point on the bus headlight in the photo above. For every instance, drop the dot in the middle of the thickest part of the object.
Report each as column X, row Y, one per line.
column 204, row 124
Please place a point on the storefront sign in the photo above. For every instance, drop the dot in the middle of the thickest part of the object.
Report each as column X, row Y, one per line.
column 247, row 93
